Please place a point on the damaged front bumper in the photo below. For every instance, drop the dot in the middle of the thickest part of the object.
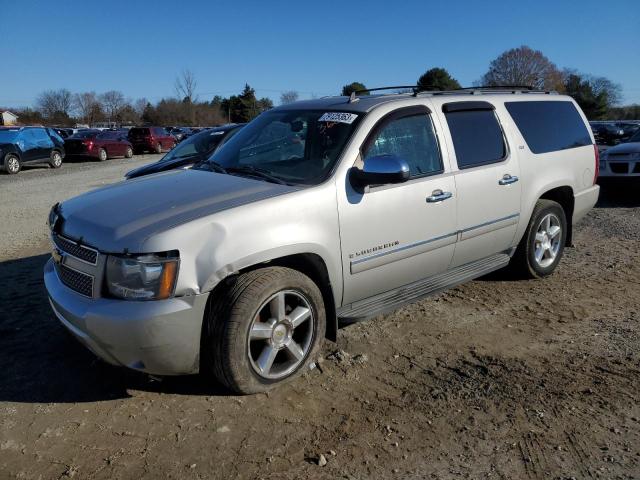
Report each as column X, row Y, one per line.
column 160, row 337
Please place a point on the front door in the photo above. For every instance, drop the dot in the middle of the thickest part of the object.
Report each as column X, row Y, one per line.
column 487, row 181
column 392, row 235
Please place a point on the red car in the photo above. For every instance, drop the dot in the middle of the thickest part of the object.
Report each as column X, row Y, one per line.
column 152, row 139
column 99, row 144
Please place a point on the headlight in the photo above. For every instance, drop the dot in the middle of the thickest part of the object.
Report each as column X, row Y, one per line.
column 142, row 277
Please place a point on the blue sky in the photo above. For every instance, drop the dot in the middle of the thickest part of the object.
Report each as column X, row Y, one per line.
column 139, row 47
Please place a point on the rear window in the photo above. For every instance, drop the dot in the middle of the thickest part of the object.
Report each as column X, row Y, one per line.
column 138, row 132
column 477, row 137
column 549, row 126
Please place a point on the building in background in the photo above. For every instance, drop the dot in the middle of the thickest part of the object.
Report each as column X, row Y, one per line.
column 8, row 118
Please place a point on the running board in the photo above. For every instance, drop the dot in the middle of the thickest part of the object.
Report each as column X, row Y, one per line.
column 393, row 299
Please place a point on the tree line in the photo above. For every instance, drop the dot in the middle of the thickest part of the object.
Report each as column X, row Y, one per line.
column 598, row 97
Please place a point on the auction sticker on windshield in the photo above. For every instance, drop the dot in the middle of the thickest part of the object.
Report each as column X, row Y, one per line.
column 338, row 117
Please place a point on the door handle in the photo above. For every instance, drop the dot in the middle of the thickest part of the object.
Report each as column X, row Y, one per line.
column 508, row 179
column 438, row 196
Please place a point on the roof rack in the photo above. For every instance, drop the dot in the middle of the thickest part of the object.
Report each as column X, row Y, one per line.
column 417, row 90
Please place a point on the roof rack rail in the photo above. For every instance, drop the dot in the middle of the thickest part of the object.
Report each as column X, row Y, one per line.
column 433, row 90
column 354, row 94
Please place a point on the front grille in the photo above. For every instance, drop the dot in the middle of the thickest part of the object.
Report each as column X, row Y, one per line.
column 81, row 252
column 619, row 167
column 80, row 282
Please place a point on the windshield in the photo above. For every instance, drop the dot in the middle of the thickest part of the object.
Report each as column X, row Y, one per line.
column 8, row 136
column 635, row 137
column 296, row 146
column 201, row 144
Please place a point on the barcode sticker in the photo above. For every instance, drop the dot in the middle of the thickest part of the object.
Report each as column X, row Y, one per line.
column 338, row 117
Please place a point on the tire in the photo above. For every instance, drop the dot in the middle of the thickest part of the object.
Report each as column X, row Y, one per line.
column 251, row 344
column 12, row 164
column 56, row 159
column 102, row 155
column 542, row 245
column 128, row 153
column 159, row 148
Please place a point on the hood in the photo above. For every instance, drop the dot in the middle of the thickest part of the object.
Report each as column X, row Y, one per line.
column 632, row 147
column 123, row 215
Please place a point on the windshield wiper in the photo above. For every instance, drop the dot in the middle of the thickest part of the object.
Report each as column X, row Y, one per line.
column 256, row 172
column 211, row 166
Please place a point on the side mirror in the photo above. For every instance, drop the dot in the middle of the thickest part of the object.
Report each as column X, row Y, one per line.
column 380, row 170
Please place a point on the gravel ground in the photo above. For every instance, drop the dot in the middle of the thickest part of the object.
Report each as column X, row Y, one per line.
column 494, row 379
column 26, row 198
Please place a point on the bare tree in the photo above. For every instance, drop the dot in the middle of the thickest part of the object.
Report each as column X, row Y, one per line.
column 186, row 86
column 54, row 102
column 289, row 96
column 87, row 106
column 140, row 105
column 523, row 66
column 112, row 102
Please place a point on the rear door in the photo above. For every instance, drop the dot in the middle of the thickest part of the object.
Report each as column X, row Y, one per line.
column 487, row 179
column 43, row 144
column 392, row 235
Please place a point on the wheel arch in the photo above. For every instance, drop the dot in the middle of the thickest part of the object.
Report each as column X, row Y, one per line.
column 310, row 264
column 564, row 196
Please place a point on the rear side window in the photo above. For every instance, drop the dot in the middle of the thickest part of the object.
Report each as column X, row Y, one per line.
column 477, row 137
column 411, row 138
column 549, row 126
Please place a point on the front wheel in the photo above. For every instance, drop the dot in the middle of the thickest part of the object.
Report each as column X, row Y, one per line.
column 542, row 245
column 102, row 155
column 264, row 329
column 128, row 153
column 56, row 159
column 158, row 148
column 12, row 164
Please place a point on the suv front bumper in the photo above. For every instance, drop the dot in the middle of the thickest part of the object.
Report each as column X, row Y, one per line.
column 159, row 337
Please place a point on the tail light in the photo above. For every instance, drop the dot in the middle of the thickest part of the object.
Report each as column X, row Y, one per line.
column 89, row 144
column 597, row 169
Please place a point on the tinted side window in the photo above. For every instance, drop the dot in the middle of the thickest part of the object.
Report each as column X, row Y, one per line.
column 477, row 137
column 411, row 138
column 549, row 126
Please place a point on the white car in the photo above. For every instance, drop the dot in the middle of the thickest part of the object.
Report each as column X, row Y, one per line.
column 320, row 210
column 623, row 160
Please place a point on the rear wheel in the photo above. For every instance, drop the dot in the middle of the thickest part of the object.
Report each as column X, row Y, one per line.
column 542, row 246
column 264, row 329
column 158, row 148
column 102, row 155
column 129, row 152
column 56, row 159
column 12, row 164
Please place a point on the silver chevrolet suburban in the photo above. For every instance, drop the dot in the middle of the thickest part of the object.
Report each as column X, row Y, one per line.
column 331, row 209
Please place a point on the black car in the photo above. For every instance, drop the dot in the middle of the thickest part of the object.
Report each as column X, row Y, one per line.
column 607, row 133
column 196, row 148
column 628, row 130
column 29, row 145
column 63, row 132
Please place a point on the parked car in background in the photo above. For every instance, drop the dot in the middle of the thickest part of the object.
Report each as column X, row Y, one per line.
column 151, row 139
column 29, row 145
column 99, row 144
column 628, row 129
column 196, row 148
column 607, row 133
column 623, row 160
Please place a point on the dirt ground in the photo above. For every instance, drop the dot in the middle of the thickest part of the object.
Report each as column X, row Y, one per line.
column 494, row 379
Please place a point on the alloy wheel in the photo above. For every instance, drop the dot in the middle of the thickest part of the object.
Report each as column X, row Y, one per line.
column 13, row 165
column 57, row 159
column 547, row 240
column 281, row 335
